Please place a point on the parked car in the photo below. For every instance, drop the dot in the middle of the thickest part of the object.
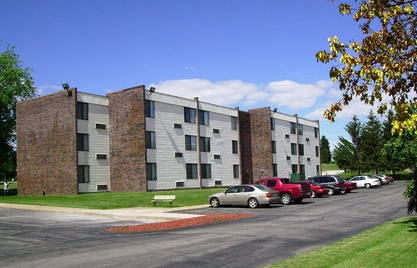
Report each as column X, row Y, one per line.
column 335, row 183
column 384, row 178
column 245, row 195
column 350, row 186
column 288, row 191
column 366, row 181
column 317, row 190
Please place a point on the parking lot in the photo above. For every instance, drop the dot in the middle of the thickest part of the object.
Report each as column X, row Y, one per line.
column 45, row 239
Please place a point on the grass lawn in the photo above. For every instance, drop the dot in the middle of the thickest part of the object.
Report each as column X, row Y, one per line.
column 111, row 200
column 392, row 244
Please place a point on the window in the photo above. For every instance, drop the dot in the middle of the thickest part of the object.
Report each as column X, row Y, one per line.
column 293, row 127
column 272, row 123
column 177, row 125
column 293, row 148
column 301, row 149
column 82, row 110
column 189, row 115
column 204, row 144
column 217, row 156
column 300, row 129
column 203, row 117
column 178, row 154
column 82, row 142
column 100, row 126
column 205, row 171
column 294, row 168
column 190, row 143
column 318, row 169
column 151, row 171
column 316, row 132
column 275, row 169
column 216, row 130
column 191, row 171
column 150, row 140
column 235, row 148
column 83, row 174
column 274, row 147
column 302, row 169
column 149, row 108
column 317, row 151
column 236, row 171
column 234, row 122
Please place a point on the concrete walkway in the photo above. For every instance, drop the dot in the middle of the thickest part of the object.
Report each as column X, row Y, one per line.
column 148, row 214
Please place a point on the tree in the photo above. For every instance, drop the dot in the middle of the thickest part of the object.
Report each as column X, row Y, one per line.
column 343, row 155
column 404, row 149
column 372, row 144
column 325, row 154
column 383, row 64
column 354, row 129
column 16, row 84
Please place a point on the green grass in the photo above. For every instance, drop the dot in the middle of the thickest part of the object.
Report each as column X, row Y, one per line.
column 392, row 244
column 111, row 200
column 327, row 167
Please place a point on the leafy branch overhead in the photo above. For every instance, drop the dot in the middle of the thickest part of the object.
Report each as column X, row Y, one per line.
column 380, row 69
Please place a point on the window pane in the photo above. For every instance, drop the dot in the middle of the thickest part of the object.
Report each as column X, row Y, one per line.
column 234, row 123
column 205, row 144
column 151, row 171
column 150, row 140
column 236, row 171
column 292, row 127
column 205, row 171
column 83, row 174
column 272, row 123
column 300, row 129
column 82, row 110
column 203, row 117
column 274, row 147
column 301, row 149
column 293, row 148
column 190, row 143
column 82, row 142
column 189, row 115
column 191, row 171
column 235, row 148
column 150, row 108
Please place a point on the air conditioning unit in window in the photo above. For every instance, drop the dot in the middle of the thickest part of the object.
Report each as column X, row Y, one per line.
column 217, row 156
column 288, row 157
column 287, row 136
column 179, row 184
column 217, row 183
column 102, row 187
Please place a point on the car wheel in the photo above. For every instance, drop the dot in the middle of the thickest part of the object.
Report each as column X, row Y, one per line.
column 253, row 203
column 313, row 194
column 214, row 202
column 286, row 199
column 331, row 191
column 367, row 186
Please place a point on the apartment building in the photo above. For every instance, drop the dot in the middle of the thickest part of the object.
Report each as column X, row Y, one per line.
column 141, row 140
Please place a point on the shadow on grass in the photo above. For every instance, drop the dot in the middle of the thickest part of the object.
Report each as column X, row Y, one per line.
column 412, row 221
column 11, row 192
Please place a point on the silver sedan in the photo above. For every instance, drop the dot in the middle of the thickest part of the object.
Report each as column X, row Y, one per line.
column 245, row 195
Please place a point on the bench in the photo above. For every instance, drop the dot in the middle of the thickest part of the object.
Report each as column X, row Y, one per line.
column 163, row 198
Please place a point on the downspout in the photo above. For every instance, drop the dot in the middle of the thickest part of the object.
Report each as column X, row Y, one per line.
column 298, row 144
column 198, row 142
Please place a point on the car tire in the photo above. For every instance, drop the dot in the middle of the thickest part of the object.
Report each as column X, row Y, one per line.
column 313, row 194
column 331, row 191
column 214, row 202
column 253, row 203
column 286, row 199
column 367, row 186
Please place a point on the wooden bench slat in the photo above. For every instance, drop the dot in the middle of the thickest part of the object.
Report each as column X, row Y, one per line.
column 163, row 198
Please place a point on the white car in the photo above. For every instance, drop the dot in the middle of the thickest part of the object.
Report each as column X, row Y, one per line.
column 385, row 179
column 366, row 181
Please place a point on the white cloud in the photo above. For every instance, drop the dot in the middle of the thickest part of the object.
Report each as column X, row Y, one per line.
column 223, row 93
column 48, row 89
column 296, row 96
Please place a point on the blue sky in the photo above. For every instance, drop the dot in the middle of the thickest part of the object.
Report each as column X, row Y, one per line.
column 233, row 53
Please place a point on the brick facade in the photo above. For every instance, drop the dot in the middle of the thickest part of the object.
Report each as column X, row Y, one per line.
column 261, row 142
column 46, row 141
column 245, row 140
column 127, row 140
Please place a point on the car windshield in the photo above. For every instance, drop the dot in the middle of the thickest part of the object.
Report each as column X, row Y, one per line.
column 261, row 187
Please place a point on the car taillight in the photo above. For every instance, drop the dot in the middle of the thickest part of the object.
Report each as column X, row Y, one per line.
column 337, row 184
column 268, row 194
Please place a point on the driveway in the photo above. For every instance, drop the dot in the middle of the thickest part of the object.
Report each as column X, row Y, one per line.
column 46, row 239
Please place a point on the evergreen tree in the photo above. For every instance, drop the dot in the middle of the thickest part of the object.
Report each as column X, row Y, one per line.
column 354, row 129
column 372, row 144
column 343, row 155
column 325, row 154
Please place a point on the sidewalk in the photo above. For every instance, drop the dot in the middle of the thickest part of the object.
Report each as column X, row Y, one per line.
column 148, row 214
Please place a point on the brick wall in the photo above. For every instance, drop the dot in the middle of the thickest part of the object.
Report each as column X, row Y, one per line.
column 245, row 147
column 46, row 142
column 127, row 140
column 262, row 160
